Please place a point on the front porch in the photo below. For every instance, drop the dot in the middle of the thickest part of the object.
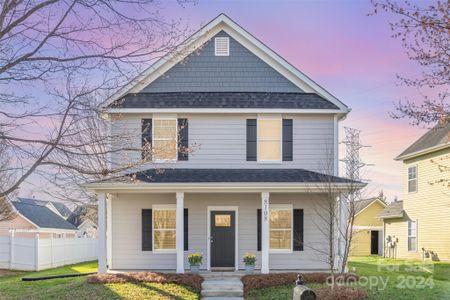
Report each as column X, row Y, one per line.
column 122, row 232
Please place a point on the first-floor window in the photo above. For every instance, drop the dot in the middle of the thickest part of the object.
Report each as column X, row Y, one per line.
column 412, row 236
column 164, row 228
column 280, row 226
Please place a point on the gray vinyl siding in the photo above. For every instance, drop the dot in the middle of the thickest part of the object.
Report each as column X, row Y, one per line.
column 202, row 71
column 126, row 230
column 219, row 141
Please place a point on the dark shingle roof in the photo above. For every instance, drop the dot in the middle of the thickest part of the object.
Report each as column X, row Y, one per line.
column 438, row 135
column 60, row 207
column 42, row 216
column 231, row 176
column 224, row 100
column 393, row 210
column 83, row 213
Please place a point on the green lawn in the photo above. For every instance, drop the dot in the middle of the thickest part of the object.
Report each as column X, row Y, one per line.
column 11, row 287
column 386, row 279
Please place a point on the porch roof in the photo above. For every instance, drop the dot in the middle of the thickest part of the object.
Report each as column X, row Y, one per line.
column 226, row 178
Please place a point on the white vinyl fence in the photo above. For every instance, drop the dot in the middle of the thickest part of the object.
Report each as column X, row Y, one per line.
column 35, row 254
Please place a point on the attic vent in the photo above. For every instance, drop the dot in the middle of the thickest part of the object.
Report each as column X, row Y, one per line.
column 222, row 45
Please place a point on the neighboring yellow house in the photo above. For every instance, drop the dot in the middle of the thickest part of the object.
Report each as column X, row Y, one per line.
column 367, row 238
column 419, row 227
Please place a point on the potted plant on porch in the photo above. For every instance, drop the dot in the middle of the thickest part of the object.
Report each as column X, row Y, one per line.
column 249, row 261
column 195, row 260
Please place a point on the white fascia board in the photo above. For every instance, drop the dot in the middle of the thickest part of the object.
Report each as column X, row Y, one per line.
column 423, row 152
column 221, row 187
column 221, row 110
column 375, row 200
column 57, row 230
column 222, row 22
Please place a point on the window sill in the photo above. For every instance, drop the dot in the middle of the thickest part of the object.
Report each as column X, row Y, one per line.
column 280, row 251
column 174, row 251
column 270, row 162
column 165, row 161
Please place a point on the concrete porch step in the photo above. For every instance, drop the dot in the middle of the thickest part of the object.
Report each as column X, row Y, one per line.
column 222, row 293
column 222, row 284
column 223, row 298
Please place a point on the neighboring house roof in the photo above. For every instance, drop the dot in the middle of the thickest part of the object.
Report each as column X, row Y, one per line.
column 230, row 176
column 41, row 216
column 224, row 23
column 393, row 210
column 83, row 213
column 60, row 207
column 224, row 100
column 360, row 205
column 436, row 138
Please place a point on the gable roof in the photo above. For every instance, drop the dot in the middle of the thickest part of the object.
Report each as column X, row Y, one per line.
column 224, row 100
column 60, row 207
column 41, row 216
column 83, row 213
column 436, row 138
column 223, row 22
column 393, row 210
column 362, row 204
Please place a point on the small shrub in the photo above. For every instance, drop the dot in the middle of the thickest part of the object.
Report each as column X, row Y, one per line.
column 249, row 259
column 340, row 293
column 194, row 281
column 268, row 280
column 195, row 259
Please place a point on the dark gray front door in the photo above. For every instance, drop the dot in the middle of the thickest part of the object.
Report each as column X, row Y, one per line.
column 222, row 239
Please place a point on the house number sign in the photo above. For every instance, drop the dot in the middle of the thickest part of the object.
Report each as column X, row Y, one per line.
column 266, row 209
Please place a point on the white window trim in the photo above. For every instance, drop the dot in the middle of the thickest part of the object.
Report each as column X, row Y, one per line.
column 224, row 38
column 162, row 207
column 416, row 179
column 412, row 236
column 283, row 207
column 176, row 140
column 258, row 152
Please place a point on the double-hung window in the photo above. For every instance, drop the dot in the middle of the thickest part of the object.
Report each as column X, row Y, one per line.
column 280, row 228
column 164, row 228
column 164, row 140
column 269, row 139
column 412, row 236
column 412, row 179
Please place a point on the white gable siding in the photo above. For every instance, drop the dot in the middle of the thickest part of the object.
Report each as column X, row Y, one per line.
column 219, row 141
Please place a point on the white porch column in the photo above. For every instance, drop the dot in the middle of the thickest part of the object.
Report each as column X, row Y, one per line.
column 109, row 231
column 101, row 233
column 265, row 233
column 180, row 232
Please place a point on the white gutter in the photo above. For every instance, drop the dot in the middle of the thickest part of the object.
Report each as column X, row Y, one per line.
column 423, row 152
column 222, row 110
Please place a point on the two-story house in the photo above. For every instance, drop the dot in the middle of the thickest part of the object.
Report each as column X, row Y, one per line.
column 418, row 226
column 266, row 150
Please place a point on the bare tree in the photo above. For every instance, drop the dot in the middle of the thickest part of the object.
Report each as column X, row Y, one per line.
column 7, row 176
column 76, row 53
column 423, row 31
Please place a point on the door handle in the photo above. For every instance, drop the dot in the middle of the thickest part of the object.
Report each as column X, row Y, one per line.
column 211, row 240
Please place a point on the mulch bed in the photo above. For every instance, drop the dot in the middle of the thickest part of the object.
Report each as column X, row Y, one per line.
column 191, row 280
column 268, row 280
column 340, row 293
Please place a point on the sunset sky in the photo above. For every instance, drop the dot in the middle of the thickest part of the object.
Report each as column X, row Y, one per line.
column 349, row 53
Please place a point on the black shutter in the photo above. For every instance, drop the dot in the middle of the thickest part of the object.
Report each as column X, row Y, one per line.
column 298, row 229
column 185, row 226
column 258, row 226
column 146, row 138
column 183, row 142
column 147, row 230
column 287, row 140
column 251, row 139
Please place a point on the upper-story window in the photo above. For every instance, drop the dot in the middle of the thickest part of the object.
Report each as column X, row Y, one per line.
column 269, row 139
column 164, row 140
column 412, row 179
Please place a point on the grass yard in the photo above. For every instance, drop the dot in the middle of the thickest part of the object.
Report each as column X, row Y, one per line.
column 386, row 279
column 11, row 287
